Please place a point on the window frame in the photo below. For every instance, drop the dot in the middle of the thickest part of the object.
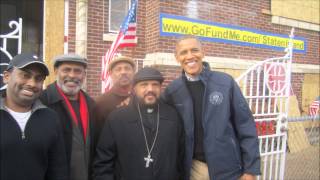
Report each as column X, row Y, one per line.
column 109, row 17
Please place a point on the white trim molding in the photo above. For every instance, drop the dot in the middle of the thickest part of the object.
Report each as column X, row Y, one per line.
column 295, row 23
column 109, row 37
column 224, row 63
column 81, row 27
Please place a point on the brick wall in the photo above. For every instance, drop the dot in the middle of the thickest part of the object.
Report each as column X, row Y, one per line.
column 96, row 47
column 152, row 32
column 245, row 14
column 238, row 13
column 72, row 26
column 169, row 72
column 97, row 26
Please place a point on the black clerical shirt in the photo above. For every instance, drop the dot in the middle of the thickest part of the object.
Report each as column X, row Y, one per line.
column 149, row 119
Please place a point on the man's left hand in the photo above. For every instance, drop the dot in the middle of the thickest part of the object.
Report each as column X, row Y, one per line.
column 124, row 102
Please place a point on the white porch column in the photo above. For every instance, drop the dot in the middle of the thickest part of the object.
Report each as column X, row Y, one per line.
column 81, row 27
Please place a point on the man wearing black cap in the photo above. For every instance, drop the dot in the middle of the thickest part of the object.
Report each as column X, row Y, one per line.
column 121, row 71
column 74, row 107
column 142, row 140
column 31, row 139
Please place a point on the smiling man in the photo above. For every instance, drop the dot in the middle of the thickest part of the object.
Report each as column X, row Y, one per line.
column 31, row 142
column 144, row 140
column 74, row 107
column 221, row 139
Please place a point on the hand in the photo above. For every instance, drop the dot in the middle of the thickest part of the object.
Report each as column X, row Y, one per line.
column 247, row 176
column 124, row 102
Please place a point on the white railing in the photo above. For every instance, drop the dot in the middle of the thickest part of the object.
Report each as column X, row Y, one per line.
column 267, row 87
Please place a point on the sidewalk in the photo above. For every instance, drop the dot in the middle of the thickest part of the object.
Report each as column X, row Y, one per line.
column 304, row 165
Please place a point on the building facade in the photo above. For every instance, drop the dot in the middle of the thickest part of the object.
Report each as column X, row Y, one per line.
column 156, row 44
column 236, row 35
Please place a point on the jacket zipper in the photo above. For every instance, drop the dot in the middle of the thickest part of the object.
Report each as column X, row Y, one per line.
column 23, row 136
column 202, row 123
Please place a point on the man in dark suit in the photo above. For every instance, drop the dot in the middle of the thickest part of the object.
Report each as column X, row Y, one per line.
column 141, row 141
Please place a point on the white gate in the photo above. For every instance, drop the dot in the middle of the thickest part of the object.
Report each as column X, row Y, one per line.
column 266, row 86
column 16, row 34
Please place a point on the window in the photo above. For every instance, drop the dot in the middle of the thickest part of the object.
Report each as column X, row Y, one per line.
column 118, row 9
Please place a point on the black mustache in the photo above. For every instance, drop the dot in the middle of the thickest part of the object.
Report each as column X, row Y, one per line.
column 150, row 94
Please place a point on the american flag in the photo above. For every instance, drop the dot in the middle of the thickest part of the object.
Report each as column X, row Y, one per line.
column 314, row 107
column 126, row 38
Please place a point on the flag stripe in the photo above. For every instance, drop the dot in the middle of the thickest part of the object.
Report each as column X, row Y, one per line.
column 130, row 33
column 126, row 38
column 314, row 108
column 128, row 41
column 129, row 37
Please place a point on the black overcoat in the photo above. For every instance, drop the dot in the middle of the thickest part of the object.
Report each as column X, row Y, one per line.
column 121, row 148
column 51, row 98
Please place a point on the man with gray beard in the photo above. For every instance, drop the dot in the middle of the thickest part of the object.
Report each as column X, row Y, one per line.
column 74, row 107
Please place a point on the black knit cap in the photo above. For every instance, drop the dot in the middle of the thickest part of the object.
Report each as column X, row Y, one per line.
column 23, row 60
column 147, row 73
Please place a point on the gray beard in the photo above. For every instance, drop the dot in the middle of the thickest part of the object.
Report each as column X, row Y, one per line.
column 66, row 91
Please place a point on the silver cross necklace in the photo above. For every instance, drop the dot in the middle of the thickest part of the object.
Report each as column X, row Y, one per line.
column 148, row 159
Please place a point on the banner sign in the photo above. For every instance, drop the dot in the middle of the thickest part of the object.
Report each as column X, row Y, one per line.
column 172, row 25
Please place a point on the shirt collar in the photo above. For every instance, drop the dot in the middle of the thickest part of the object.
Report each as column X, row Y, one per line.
column 189, row 78
column 35, row 106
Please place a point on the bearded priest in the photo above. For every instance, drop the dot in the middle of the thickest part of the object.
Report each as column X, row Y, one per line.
column 144, row 140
